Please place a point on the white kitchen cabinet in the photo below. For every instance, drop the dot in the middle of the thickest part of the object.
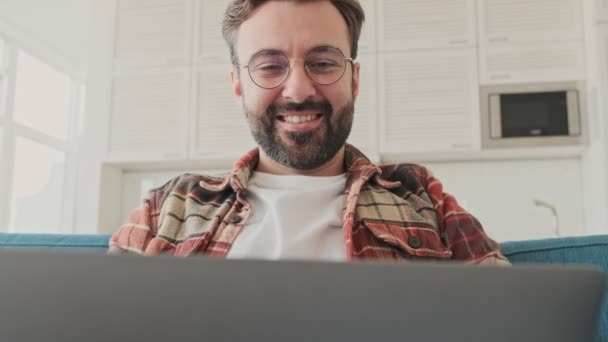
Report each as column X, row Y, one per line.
column 523, row 21
column 152, row 33
column 540, row 62
column 429, row 101
column 149, row 113
column 415, row 24
column 530, row 41
column 218, row 126
column 368, row 41
column 209, row 43
column 601, row 10
column 420, row 81
column 365, row 123
column 514, row 199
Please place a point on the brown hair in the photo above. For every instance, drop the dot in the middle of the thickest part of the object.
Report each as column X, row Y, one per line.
column 240, row 10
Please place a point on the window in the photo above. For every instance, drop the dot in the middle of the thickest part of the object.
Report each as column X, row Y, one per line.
column 50, row 88
column 39, row 105
column 38, row 176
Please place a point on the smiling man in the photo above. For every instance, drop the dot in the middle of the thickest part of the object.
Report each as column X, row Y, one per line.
column 304, row 193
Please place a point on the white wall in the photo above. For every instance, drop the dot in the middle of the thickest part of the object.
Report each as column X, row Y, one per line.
column 61, row 25
column 595, row 160
column 515, row 199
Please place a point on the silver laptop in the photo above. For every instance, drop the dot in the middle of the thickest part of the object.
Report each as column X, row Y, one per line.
column 75, row 297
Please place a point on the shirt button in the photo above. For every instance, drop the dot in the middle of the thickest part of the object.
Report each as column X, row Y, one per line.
column 414, row 242
column 235, row 219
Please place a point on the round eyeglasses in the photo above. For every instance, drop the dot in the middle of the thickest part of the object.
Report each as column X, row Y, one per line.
column 324, row 65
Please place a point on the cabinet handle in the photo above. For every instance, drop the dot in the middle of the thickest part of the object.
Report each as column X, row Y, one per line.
column 498, row 39
column 172, row 155
column 176, row 60
column 461, row 146
column 500, row 77
column 210, row 59
column 458, row 42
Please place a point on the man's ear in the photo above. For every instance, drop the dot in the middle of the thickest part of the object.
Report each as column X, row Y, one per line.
column 356, row 70
column 236, row 83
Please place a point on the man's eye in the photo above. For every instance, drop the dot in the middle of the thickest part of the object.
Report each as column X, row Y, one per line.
column 322, row 66
column 270, row 68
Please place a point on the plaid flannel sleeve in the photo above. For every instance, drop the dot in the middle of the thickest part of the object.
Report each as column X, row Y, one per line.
column 139, row 229
column 462, row 232
column 135, row 233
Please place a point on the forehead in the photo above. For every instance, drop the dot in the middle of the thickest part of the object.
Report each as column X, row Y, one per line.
column 293, row 28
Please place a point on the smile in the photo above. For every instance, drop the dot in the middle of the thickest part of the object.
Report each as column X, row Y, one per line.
column 299, row 118
column 300, row 123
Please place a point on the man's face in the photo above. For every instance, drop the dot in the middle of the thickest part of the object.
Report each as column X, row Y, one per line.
column 299, row 124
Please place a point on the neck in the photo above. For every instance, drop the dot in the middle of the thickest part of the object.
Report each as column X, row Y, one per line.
column 333, row 167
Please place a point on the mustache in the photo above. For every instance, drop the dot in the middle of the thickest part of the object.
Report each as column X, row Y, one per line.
column 308, row 105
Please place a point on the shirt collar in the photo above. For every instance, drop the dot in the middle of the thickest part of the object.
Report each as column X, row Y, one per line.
column 357, row 166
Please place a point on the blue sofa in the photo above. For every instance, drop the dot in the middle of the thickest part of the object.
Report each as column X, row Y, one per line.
column 588, row 250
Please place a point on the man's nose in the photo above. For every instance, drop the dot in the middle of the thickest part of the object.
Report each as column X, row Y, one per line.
column 298, row 87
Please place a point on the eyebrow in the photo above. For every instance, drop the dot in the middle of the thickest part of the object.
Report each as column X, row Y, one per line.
column 275, row 52
column 324, row 48
column 268, row 52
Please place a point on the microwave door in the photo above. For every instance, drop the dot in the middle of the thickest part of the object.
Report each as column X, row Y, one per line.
column 534, row 114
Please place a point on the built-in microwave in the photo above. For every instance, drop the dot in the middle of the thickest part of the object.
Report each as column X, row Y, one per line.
column 540, row 114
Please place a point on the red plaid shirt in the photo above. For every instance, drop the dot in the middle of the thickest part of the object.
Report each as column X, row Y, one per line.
column 391, row 212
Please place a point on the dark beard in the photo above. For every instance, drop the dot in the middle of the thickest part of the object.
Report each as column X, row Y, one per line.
column 312, row 149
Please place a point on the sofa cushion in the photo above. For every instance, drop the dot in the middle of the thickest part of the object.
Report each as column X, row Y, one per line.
column 81, row 243
column 585, row 250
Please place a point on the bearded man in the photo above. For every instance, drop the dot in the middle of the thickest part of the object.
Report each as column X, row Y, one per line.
column 303, row 193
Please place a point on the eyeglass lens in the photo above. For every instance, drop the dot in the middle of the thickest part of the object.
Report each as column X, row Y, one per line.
column 323, row 65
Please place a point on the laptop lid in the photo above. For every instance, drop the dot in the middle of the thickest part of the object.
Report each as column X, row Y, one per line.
column 76, row 297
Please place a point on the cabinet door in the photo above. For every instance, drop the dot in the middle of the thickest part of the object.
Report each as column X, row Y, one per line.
column 517, row 21
column 368, row 40
column 601, row 7
column 148, row 115
column 513, row 200
column 532, row 63
column 209, row 43
column 152, row 33
column 218, row 126
column 364, row 131
column 429, row 101
column 414, row 24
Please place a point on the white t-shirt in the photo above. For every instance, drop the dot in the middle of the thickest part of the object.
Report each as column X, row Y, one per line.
column 294, row 217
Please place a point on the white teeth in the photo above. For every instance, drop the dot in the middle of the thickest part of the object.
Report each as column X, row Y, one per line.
column 299, row 118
